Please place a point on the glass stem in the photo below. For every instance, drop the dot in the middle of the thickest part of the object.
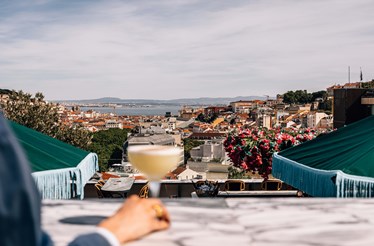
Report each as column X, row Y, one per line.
column 154, row 187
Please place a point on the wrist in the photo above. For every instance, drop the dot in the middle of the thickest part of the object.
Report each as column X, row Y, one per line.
column 108, row 235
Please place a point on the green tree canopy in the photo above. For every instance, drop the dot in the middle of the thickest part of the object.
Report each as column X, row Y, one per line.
column 36, row 113
column 206, row 118
column 319, row 94
column 188, row 145
column 107, row 145
column 302, row 96
column 299, row 96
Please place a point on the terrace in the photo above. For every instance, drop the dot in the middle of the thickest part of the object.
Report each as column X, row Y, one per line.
column 184, row 188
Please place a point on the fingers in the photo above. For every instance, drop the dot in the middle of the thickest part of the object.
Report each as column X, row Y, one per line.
column 161, row 225
column 155, row 203
column 156, row 210
column 159, row 211
column 137, row 217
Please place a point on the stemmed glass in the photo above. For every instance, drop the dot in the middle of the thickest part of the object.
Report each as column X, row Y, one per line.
column 154, row 161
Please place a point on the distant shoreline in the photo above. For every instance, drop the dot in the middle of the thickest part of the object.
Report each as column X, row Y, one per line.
column 156, row 110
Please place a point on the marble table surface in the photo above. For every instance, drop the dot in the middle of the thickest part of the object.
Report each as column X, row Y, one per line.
column 118, row 184
column 233, row 221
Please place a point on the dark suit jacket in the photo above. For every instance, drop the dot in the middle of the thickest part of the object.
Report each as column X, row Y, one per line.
column 20, row 201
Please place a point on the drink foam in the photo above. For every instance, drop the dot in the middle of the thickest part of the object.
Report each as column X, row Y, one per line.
column 154, row 150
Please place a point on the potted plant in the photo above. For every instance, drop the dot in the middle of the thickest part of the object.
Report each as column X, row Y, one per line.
column 206, row 188
column 252, row 149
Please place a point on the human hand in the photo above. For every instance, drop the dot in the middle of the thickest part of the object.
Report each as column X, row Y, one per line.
column 136, row 218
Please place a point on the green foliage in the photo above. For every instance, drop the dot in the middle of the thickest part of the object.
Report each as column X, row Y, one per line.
column 5, row 91
column 188, row 145
column 237, row 173
column 32, row 112
column 302, row 97
column 297, row 97
column 206, row 118
column 368, row 85
column 326, row 105
column 319, row 94
column 108, row 146
column 77, row 136
column 36, row 113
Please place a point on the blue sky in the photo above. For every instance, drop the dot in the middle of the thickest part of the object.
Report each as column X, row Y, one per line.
column 182, row 48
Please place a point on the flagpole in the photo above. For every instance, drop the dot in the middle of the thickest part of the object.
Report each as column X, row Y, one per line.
column 349, row 74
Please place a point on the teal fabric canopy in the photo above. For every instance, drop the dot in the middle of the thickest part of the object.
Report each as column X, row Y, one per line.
column 339, row 164
column 60, row 170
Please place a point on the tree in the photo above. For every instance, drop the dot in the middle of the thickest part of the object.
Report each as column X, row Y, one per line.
column 188, row 145
column 36, row 113
column 76, row 135
column 5, row 91
column 319, row 94
column 32, row 112
column 206, row 118
column 297, row 97
column 326, row 105
column 108, row 146
column 289, row 97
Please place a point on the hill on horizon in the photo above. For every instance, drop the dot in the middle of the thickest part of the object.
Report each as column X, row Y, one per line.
column 181, row 101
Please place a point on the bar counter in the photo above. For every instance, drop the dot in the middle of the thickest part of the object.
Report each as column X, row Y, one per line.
column 232, row 221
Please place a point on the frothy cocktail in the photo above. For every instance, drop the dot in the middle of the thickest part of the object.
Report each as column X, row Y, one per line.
column 154, row 160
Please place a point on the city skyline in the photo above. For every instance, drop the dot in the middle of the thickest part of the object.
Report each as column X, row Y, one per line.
column 182, row 49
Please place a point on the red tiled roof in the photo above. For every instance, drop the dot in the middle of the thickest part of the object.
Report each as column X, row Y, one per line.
column 208, row 134
column 178, row 170
column 242, row 101
column 170, row 175
column 128, row 127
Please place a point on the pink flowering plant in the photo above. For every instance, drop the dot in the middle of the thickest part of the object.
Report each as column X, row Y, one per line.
column 252, row 149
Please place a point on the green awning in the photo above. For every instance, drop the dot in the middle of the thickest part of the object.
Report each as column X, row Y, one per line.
column 59, row 169
column 340, row 163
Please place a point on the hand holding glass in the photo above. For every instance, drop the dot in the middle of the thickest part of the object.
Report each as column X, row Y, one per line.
column 154, row 161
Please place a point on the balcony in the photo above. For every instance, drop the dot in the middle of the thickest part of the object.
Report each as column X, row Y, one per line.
column 184, row 188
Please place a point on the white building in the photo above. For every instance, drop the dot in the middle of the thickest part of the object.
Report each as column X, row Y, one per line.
column 188, row 174
column 208, row 151
column 264, row 120
column 209, row 170
column 90, row 114
column 242, row 106
column 281, row 115
column 327, row 122
column 172, row 123
column 314, row 119
column 113, row 124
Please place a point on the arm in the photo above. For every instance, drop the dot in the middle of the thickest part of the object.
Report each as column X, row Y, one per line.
column 91, row 239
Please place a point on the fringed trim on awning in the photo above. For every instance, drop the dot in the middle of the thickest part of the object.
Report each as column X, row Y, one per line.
column 87, row 168
column 67, row 182
column 354, row 186
column 315, row 182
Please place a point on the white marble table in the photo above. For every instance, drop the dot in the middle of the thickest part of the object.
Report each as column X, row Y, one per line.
column 118, row 184
column 240, row 221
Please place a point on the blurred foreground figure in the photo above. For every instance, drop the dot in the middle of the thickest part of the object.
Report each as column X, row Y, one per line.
column 20, row 222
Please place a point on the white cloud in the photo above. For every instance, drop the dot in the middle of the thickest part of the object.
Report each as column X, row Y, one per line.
column 184, row 49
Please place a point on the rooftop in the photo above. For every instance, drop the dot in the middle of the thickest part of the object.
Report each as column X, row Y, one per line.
column 154, row 139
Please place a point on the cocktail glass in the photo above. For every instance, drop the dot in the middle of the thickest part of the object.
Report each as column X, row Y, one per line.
column 154, row 161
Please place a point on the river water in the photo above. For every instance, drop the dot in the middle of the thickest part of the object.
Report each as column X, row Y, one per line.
column 139, row 110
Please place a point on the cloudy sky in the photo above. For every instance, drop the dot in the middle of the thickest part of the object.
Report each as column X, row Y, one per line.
column 183, row 48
